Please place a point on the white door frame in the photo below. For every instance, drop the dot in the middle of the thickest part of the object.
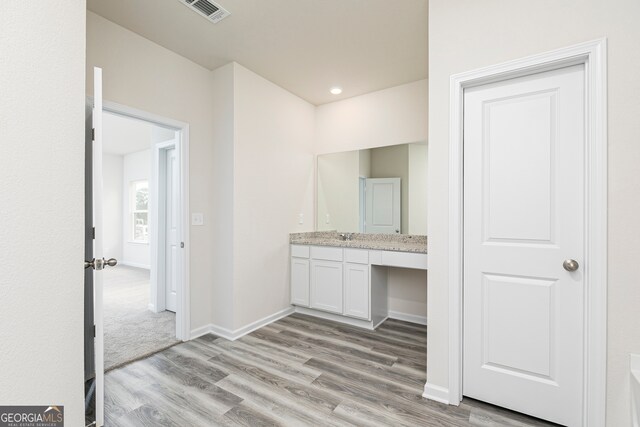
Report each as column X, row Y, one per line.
column 183, row 312
column 158, row 225
column 593, row 56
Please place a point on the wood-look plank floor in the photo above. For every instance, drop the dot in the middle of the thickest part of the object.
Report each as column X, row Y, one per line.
column 299, row 371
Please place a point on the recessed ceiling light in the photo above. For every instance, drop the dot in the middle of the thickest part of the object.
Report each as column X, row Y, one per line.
column 336, row 90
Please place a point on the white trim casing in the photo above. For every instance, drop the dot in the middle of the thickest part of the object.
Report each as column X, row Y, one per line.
column 593, row 55
column 183, row 316
column 406, row 317
column 158, row 223
column 134, row 264
column 240, row 332
column 437, row 393
column 340, row 318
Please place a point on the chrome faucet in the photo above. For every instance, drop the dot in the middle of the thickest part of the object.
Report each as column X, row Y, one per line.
column 346, row 236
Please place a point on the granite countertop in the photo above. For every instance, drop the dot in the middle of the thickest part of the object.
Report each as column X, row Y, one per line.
column 383, row 242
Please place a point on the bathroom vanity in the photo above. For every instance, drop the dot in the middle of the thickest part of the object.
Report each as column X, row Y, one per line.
column 344, row 278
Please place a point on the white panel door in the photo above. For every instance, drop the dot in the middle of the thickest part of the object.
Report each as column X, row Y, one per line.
column 171, row 232
column 98, row 286
column 356, row 290
column 523, row 216
column 300, row 282
column 326, row 286
column 382, row 200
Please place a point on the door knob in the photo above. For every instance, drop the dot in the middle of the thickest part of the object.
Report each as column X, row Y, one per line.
column 99, row 264
column 570, row 264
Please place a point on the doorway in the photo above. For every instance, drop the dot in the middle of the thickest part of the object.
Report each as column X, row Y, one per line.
column 591, row 271
column 141, row 216
column 141, row 199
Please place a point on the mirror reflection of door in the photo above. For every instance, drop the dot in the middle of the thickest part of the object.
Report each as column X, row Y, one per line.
column 382, row 201
column 341, row 179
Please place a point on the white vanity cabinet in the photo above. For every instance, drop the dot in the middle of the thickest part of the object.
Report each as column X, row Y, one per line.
column 345, row 284
column 326, row 286
column 300, row 275
column 356, row 284
column 326, row 278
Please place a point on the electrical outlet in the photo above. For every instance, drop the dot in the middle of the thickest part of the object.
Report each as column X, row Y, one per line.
column 301, row 218
column 327, row 219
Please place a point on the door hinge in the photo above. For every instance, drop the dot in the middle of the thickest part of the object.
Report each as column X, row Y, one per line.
column 93, row 232
column 93, row 134
column 94, row 331
column 181, row 245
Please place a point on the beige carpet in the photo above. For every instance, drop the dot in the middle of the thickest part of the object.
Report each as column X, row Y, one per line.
column 131, row 330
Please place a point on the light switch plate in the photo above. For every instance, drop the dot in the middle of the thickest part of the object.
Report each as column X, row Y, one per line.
column 197, row 219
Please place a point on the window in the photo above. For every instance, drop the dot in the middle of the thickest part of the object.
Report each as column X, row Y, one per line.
column 139, row 206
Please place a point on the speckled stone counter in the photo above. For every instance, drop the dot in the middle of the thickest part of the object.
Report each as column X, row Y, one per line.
column 384, row 242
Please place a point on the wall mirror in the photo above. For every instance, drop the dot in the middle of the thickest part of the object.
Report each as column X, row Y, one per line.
column 377, row 190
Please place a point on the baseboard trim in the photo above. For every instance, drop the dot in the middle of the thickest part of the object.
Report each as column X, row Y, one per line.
column 135, row 264
column 240, row 332
column 262, row 322
column 198, row 332
column 411, row 318
column 335, row 317
column 436, row 393
column 222, row 332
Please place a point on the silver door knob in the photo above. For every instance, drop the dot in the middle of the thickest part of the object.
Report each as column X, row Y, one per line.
column 570, row 264
column 99, row 264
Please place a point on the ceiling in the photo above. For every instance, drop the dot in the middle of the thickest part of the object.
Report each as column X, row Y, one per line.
column 304, row 46
column 122, row 135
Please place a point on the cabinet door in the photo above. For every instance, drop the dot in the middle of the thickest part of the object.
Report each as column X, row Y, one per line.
column 300, row 282
column 326, row 286
column 356, row 290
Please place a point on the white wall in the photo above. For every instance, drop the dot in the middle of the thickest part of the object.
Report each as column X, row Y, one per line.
column 418, row 176
column 339, row 191
column 396, row 115
column 407, row 293
column 464, row 35
column 136, row 167
column 160, row 134
column 146, row 76
column 112, row 171
column 42, row 204
column 273, row 184
column 221, row 198
column 365, row 163
column 393, row 162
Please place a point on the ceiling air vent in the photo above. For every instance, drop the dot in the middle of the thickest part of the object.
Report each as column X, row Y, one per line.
column 208, row 9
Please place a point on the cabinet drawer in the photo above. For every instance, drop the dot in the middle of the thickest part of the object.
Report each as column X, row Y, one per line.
column 299, row 251
column 404, row 260
column 326, row 253
column 358, row 256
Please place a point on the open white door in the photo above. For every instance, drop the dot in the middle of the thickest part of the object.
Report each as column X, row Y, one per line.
column 382, row 199
column 97, row 244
